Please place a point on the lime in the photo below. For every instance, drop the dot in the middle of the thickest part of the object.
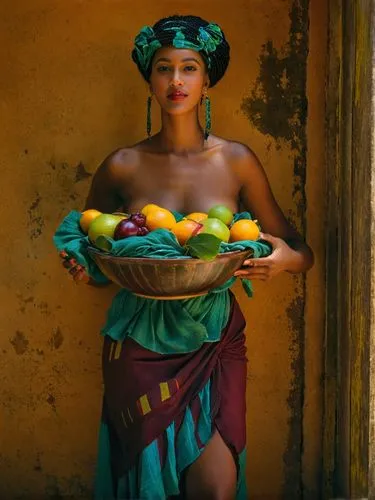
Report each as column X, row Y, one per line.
column 103, row 225
column 215, row 227
column 222, row 213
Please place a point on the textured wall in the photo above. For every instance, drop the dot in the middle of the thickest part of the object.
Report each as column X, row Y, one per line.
column 70, row 95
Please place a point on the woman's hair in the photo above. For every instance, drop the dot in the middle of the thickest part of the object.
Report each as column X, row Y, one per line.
column 183, row 32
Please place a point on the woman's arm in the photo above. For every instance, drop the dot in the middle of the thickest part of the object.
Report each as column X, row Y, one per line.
column 290, row 252
column 108, row 182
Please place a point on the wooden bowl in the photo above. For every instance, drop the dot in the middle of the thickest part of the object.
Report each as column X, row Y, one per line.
column 169, row 278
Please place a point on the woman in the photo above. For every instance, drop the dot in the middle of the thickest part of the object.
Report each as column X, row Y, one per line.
column 192, row 444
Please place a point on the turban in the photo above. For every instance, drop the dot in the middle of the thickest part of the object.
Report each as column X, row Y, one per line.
column 183, row 32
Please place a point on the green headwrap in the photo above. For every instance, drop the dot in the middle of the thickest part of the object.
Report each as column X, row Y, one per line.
column 183, row 33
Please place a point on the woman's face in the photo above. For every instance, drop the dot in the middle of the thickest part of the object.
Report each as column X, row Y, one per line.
column 178, row 77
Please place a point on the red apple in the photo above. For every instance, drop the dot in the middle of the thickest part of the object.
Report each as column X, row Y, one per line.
column 125, row 228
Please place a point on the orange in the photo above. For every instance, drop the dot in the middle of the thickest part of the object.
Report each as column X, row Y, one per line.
column 87, row 217
column 185, row 229
column 149, row 208
column 159, row 218
column 197, row 216
column 244, row 229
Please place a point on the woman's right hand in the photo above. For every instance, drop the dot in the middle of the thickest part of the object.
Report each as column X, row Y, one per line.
column 77, row 271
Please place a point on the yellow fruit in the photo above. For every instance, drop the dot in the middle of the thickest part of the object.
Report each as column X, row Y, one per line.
column 197, row 216
column 87, row 217
column 159, row 218
column 185, row 229
column 149, row 208
column 244, row 229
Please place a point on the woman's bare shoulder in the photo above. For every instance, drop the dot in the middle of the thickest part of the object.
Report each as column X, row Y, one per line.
column 237, row 154
column 124, row 156
column 120, row 162
column 237, row 150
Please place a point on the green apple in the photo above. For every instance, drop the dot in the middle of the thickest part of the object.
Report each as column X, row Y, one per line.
column 222, row 213
column 103, row 225
column 215, row 227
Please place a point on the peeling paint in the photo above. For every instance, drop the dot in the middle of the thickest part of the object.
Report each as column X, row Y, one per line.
column 81, row 172
column 62, row 180
column 294, row 450
column 66, row 487
column 51, row 400
column 20, row 343
column 24, row 301
column 54, row 165
column 44, row 308
column 38, row 464
column 277, row 106
column 57, row 339
column 36, row 220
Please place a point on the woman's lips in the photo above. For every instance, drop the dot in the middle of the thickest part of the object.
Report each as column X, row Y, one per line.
column 177, row 96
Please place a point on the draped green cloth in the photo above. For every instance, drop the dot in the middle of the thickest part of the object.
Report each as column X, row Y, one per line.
column 163, row 326
column 160, row 244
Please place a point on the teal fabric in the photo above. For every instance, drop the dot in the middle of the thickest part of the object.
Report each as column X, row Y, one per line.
column 207, row 41
column 148, row 479
column 103, row 486
column 168, row 326
column 157, row 244
column 241, row 481
column 163, row 326
column 72, row 239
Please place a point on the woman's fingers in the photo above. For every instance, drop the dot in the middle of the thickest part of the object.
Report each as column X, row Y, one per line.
column 261, row 273
column 81, row 276
column 77, row 271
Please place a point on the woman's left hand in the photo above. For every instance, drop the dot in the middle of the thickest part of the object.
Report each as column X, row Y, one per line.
column 281, row 259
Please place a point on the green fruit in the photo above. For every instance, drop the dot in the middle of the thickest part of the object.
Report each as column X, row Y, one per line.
column 102, row 243
column 215, row 227
column 103, row 225
column 222, row 213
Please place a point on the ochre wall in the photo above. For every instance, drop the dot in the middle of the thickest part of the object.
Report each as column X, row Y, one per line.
column 69, row 95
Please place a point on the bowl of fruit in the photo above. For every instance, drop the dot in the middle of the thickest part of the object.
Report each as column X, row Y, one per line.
column 192, row 266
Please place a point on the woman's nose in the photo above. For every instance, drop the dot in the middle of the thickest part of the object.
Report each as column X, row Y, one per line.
column 176, row 79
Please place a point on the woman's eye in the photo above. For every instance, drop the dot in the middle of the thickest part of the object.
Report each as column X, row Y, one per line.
column 190, row 68
column 162, row 69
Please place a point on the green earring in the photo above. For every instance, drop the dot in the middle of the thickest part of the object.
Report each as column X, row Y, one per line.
column 207, row 130
column 148, row 124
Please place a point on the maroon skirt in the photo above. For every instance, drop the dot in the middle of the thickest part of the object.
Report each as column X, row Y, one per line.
column 144, row 392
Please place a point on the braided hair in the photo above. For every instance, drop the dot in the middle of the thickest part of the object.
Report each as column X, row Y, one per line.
column 185, row 32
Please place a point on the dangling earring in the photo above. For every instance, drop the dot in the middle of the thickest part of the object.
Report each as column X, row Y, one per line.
column 148, row 124
column 207, row 102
